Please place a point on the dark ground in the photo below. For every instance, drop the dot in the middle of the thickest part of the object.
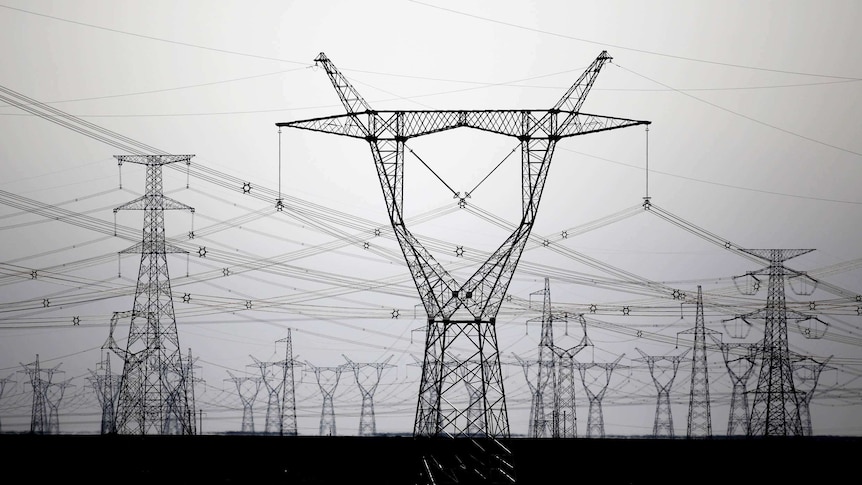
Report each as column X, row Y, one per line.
column 241, row 459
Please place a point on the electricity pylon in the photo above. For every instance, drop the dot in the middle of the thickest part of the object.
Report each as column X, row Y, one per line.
column 247, row 388
column 565, row 412
column 53, row 397
column 462, row 315
column 327, row 380
column 106, row 385
column 272, row 421
column 154, row 394
column 538, row 421
column 740, row 359
column 367, row 377
column 806, row 371
column 775, row 411
column 288, row 390
column 663, row 378
column 595, row 385
column 699, row 416
column 543, row 421
column 40, row 381
column 3, row 382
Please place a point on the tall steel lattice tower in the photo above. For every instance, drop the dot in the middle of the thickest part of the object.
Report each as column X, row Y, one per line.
column 154, row 394
column 462, row 315
column 775, row 411
column 663, row 378
column 54, row 394
column 565, row 417
column 272, row 421
column 3, row 383
column 106, row 386
column 596, row 377
column 740, row 367
column 288, row 389
column 699, row 416
column 327, row 380
column 536, row 381
column 40, row 381
column 367, row 377
column 543, row 422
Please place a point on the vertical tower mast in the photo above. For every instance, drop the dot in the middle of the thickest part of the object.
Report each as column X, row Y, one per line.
column 153, row 396
column 699, row 417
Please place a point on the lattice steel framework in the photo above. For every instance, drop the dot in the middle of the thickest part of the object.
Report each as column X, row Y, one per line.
column 40, row 381
column 327, row 380
column 544, row 422
column 288, row 389
column 462, row 316
column 699, row 416
column 272, row 420
column 536, row 381
column 154, row 395
column 596, row 385
column 248, row 388
column 775, row 411
column 54, row 394
column 806, row 371
column 663, row 423
column 740, row 367
column 3, row 382
column 367, row 377
column 565, row 419
column 106, row 385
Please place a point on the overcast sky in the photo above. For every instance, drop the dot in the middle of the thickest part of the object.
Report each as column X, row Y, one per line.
column 754, row 141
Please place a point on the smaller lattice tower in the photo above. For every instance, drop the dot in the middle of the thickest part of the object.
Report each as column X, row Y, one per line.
column 739, row 358
column 543, row 423
column 596, row 377
column 806, row 373
column 565, row 416
column 40, row 381
column 54, row 394
column 248, row 388
column 288, row 389
column 3, row 383
column 699, row 416
column 327, row 380
column 367, row 377
column 663, row 377
column 272, row 422
column 107, row 386
column 536, row 381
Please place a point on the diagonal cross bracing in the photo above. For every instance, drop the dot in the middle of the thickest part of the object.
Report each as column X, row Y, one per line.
column 462, row 316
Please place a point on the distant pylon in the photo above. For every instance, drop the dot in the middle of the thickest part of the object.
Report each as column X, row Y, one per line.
column 272, row 422
column 546, row 393
column 367, row 377
column 53, row 397
column 663, row 424
column 327, row 380
column 288, row 391
column 107, row 386
column 775, row 411
column 806, row 371
column 537, row 421
column 595, row 385
column 248, row 388
column 699, row 417
column 154, row 395
column 40, row 380
column 565, row 412
column 3, row 382
column 739, row 358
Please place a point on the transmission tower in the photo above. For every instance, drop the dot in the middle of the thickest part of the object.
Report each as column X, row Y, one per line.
column 106, row 386
column 288, row 399
column 739, row 358
column 462, row 315
column 807, row 371
column 699, row 417
column 40, row 381
column 327, row 380
column 543, row 422
column 565, row 417
column 248, row 388
column 53, row 397
column 154, row 394
column 3, row 382
column 596, row 377
column 775, row 411
column 537, row 421
column 367, row 377
column 272, row 423
column 663, row 378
